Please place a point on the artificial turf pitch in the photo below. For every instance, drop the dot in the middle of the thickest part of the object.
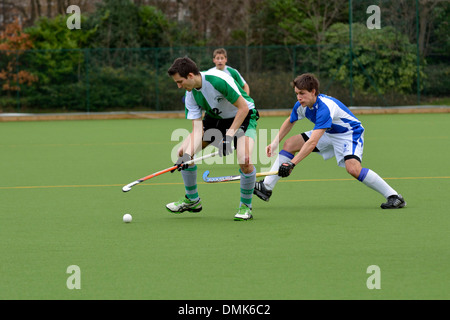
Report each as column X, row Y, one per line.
column 61, row 205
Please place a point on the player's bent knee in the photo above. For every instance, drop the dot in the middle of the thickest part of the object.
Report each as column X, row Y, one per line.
column 353, row 167
column 244, row 160
column 247, row 168
column 353, row 172
column 293, row 145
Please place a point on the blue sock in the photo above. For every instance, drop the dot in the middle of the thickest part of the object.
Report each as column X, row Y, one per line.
column 374, row 181
column 363, row 174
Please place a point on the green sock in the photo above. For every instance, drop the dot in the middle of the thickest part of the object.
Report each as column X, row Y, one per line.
column 247, row 185
column 190, row 182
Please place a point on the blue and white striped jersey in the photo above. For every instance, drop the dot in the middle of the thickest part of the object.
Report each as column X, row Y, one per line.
column 329, row 113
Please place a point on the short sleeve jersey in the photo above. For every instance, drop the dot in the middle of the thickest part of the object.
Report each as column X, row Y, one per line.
column 234, row 74
column 330, row 114
column 216, row 96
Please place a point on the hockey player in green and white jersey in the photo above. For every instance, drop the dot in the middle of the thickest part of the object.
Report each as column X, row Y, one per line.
column 230, row 121
column 220, row 59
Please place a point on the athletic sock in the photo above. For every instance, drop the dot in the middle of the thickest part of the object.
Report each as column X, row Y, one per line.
column 247, row 185
column 271, row 181
column 190, row 182
column 374, row 181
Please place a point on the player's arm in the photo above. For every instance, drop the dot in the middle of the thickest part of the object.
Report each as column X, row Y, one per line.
column 241, row 114
column 240, row 81
column 309, row 145
column 284, row 130
column 324, row 119
column 246, row 88
column 286, row 168
column 191, row 145
column 184, row 145
column 193, row 142
column 227, row 143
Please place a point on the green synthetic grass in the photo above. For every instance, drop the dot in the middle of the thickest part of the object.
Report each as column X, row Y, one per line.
column 61, row 204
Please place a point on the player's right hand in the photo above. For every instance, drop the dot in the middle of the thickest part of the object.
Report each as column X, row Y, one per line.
column 226, row 146
column 286, row 169
column 269, row 150
column 181, row 165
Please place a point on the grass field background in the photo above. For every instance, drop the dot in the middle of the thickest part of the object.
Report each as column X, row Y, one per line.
column 61, row 204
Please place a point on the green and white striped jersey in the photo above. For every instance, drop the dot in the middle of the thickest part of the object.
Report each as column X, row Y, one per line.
column 216, row 96
column 234, row 74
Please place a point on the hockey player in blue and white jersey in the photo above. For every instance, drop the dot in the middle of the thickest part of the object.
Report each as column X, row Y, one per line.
column 336, row 133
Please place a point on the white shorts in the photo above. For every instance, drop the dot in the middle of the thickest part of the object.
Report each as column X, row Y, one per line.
column 339, row 145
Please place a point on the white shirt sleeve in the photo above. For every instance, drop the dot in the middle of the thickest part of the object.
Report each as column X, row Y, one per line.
column 193, row 110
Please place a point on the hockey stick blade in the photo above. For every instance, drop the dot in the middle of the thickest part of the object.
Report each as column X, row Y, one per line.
column 233, row 178
column 128, row 186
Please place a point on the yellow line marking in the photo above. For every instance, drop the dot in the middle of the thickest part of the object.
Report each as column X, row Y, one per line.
column 81, row 144
column 351, row 179
column 180, row 183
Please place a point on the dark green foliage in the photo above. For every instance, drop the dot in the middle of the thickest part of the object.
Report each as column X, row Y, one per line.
column 383, row 59
column 119, row 57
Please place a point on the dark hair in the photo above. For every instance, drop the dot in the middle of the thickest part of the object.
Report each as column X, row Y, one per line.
column 306, row 81
column 183, row 66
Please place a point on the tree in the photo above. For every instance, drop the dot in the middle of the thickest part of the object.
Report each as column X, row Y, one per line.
column 29, row 11
column 403, row 15
column 14, row 42
column 116, row 25
column 427, row 16
column 384, row 60
column 303, row 22
column 154, row 28
column 278, row 23
column 58, row 56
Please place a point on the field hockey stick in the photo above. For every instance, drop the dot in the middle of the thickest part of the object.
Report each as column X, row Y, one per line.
column 233, row 178
column 132, row 184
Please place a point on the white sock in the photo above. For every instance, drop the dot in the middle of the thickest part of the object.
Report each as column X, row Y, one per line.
column 271, row 181
column 374, row 181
